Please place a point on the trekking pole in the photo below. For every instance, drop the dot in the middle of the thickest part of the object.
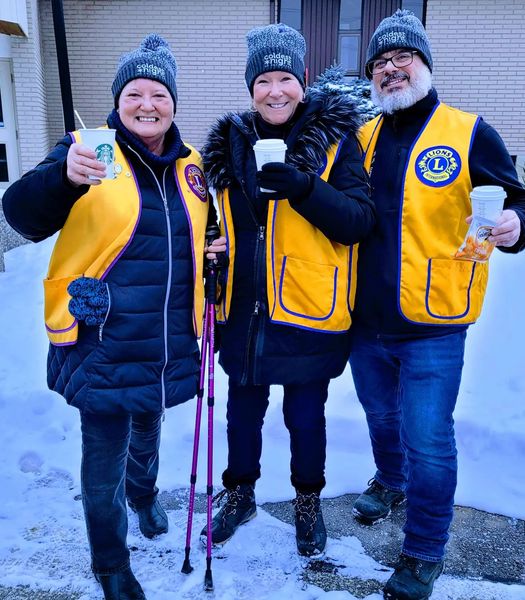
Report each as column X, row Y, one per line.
column 211, row 299
column 207, row 353
column 186, row 567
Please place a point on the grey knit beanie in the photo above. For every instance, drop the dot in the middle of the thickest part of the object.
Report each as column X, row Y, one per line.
column 402, row 30
column 153, row 59
column 274, row 48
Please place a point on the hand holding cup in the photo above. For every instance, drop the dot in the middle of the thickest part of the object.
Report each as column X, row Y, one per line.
column 83, row 168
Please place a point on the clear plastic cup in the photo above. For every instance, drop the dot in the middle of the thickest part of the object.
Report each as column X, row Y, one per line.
column 102, row 142
column 270, row 150
column 487, row 201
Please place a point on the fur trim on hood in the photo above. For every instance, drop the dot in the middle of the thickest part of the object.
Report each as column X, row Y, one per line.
column 330, row 118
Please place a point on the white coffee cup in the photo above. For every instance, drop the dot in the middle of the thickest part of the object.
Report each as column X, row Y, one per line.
column 487, row 201
column 270, row 150
column 102, row 142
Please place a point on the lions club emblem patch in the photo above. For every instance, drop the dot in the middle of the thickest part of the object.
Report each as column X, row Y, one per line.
column 438, row 166
column 195, row 179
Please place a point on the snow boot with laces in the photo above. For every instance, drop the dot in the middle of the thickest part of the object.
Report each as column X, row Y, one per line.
column 413, row 579
column 376, row 503
column 310, row 531
column 239, row 509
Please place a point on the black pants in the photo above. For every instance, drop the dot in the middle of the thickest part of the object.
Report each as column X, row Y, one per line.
column 120, row 458
column 303, row 409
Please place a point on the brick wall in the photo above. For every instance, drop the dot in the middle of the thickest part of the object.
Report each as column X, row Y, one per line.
column 207, row 37
column 30, row 92
column 478, row 48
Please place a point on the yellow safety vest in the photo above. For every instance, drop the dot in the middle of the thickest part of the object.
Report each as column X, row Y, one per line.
column 99, row 228
column 310, row 279
column 433, row 286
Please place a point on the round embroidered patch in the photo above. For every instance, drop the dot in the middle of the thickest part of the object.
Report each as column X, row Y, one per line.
column 195, row 179
column 438, row 166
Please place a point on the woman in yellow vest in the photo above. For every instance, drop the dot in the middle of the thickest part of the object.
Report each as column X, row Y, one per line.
column 123, row 296
column 287, row 300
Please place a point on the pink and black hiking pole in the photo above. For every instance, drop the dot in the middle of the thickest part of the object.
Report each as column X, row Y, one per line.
column 207, row 357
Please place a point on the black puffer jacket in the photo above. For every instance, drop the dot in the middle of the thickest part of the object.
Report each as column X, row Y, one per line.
column 254, row 349
column 147, row 356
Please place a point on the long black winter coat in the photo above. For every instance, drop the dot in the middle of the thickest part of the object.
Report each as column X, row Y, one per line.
column 147, row 356
column 255, row 350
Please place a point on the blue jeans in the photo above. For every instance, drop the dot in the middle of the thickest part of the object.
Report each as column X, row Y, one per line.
column 120, row 458
column 408, row 390
column 303, row 410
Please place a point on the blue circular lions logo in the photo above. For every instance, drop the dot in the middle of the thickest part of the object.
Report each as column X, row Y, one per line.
column 438, row 166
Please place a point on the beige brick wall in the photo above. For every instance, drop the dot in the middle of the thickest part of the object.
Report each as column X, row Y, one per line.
column 478, row 69
column 30, row 92
column 207, row 37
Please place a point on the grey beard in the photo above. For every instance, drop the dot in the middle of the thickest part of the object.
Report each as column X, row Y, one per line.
column 418, row 87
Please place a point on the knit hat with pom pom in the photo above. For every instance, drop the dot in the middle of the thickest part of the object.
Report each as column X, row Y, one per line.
column 153, row 59
column 402, row 30
column 274, row 48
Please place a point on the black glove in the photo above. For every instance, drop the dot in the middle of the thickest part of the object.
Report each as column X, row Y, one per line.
column 285, row 180
column 89, row 300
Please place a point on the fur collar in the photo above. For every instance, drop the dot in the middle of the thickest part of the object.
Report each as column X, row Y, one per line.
column 327, row 118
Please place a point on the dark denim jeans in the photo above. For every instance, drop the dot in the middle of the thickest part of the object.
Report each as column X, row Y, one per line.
column 409, row 390
column 120, row 458
column 303, row 409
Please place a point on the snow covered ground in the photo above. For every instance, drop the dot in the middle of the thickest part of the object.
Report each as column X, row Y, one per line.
column 43, row 538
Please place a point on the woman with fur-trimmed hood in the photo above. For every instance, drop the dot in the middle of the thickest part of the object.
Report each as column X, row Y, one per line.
column 288, row 292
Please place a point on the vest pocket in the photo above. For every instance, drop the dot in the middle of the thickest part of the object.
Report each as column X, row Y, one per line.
column 58, row 319
column 307, row 289
column 449, row 288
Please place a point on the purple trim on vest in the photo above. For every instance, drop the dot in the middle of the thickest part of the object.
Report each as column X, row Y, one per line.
column 227, row 270
column 273, row 259
column 103, row 276
column 62, row 330
column 190, row 225
column 296, row 314
column 429, row 272
column 350, row 273
column 316, row 329
column 474, row 129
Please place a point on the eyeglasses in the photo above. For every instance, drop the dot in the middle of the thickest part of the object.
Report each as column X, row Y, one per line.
column 401, row 59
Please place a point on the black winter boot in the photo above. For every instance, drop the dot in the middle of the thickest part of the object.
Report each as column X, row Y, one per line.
column 310, row 532
column 239, row 509
column 413, row 579
column 121, row 586
column 153, row 520
column 376, row 503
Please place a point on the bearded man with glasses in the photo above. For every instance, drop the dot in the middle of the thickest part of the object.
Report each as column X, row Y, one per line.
column 414, row 301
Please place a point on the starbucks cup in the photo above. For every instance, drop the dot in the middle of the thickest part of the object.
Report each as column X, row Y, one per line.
column 487, row 201
column 271, row 150
column 102, row 142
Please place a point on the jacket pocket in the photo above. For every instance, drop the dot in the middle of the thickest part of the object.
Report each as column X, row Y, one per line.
column 307, row 289
column 450, row 288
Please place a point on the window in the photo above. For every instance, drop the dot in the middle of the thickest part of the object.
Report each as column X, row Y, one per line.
column 416, row 6
column 290, row 12
column 4, row 175
column 349, row 47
